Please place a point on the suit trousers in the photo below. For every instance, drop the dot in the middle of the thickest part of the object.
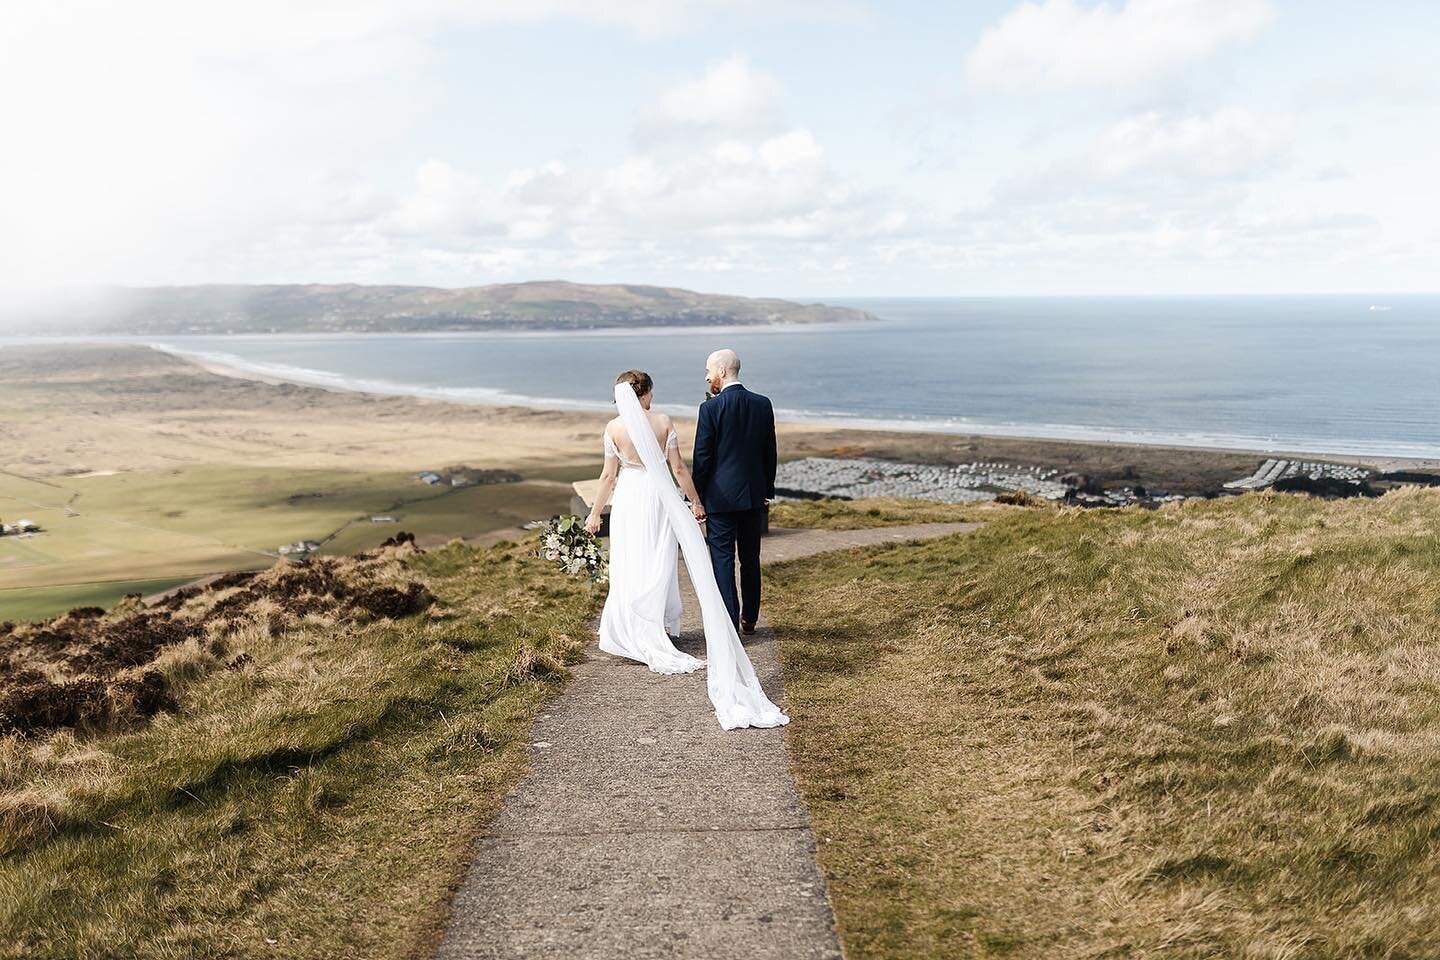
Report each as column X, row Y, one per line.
column 730, row 533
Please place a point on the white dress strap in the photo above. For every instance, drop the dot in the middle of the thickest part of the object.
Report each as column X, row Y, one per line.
column 612, row 449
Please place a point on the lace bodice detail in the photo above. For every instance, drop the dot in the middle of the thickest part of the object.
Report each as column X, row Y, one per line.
column 613, row 450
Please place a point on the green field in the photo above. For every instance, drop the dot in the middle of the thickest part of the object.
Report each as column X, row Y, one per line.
column 37, row 603
column 108, row 535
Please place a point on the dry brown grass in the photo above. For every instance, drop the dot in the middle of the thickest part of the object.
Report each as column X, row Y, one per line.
column 1207, row 731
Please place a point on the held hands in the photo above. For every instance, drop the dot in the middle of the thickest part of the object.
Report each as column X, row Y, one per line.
column 698, row 511
column 592, row 524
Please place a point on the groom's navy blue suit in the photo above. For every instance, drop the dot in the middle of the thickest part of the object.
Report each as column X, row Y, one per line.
column 734, row 471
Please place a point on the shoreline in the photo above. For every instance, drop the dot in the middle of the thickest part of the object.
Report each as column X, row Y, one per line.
column 1180, row 459
column 494, row 397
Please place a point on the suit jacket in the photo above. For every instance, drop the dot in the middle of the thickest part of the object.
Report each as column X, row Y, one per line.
column 734, row 461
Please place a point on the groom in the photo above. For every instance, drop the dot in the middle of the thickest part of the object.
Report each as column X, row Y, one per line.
column 734, row 472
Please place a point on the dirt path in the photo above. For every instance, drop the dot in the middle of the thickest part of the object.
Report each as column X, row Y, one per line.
column 644, row 830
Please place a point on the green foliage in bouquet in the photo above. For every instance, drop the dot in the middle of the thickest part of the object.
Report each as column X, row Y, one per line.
column 565, row 541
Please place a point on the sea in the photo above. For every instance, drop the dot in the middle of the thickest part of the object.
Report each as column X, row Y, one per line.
column 1355, row 375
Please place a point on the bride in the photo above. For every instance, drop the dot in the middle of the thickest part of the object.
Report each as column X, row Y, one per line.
column 649, row 527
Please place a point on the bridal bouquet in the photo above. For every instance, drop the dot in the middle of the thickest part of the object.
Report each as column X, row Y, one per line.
column 565, row 541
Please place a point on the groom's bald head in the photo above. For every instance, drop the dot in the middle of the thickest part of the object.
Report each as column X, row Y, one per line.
column 723, row 363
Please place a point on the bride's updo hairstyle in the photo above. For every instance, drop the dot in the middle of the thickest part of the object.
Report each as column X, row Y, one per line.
column 639, row 380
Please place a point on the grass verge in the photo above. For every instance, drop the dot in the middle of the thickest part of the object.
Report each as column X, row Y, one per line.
column 877, row 512
column 316, row 790
column 1206, row 731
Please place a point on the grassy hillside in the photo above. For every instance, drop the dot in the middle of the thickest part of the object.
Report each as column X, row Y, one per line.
column 289, row 764
column 350, row 307
column 1207, row 731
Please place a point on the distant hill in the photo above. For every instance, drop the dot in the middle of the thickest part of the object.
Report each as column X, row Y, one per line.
column 327, row 308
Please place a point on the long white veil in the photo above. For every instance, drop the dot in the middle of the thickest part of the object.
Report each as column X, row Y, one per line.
column 734, row 690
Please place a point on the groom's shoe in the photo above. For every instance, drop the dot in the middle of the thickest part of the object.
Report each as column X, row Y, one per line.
column 746, row 627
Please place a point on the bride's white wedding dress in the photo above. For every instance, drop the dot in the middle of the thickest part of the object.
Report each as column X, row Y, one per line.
column 642, row 610
column 648, row 522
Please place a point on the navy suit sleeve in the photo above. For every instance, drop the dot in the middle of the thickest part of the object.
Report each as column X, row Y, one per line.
column 702, row 463
column 771, row 453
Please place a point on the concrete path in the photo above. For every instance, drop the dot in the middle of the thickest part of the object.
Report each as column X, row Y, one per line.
column 643, row 830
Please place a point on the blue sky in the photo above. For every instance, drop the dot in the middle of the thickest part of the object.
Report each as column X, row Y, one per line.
column 792, row 147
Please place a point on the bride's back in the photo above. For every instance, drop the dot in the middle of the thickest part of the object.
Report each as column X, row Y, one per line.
column 659, row 425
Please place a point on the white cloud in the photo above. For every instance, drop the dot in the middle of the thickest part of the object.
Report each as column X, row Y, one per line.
column 1153, row 161
column 1140, row 198
column 1225, row 143
column 731, row 98
column 735, row 187
column 715, row 158
column 742, row 181
column 1062, row 43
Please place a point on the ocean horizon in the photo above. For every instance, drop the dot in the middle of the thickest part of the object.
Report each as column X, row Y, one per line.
column 1345, row 375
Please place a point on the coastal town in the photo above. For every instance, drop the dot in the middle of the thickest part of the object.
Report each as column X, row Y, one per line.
column 814, row 477
column 852, row 479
